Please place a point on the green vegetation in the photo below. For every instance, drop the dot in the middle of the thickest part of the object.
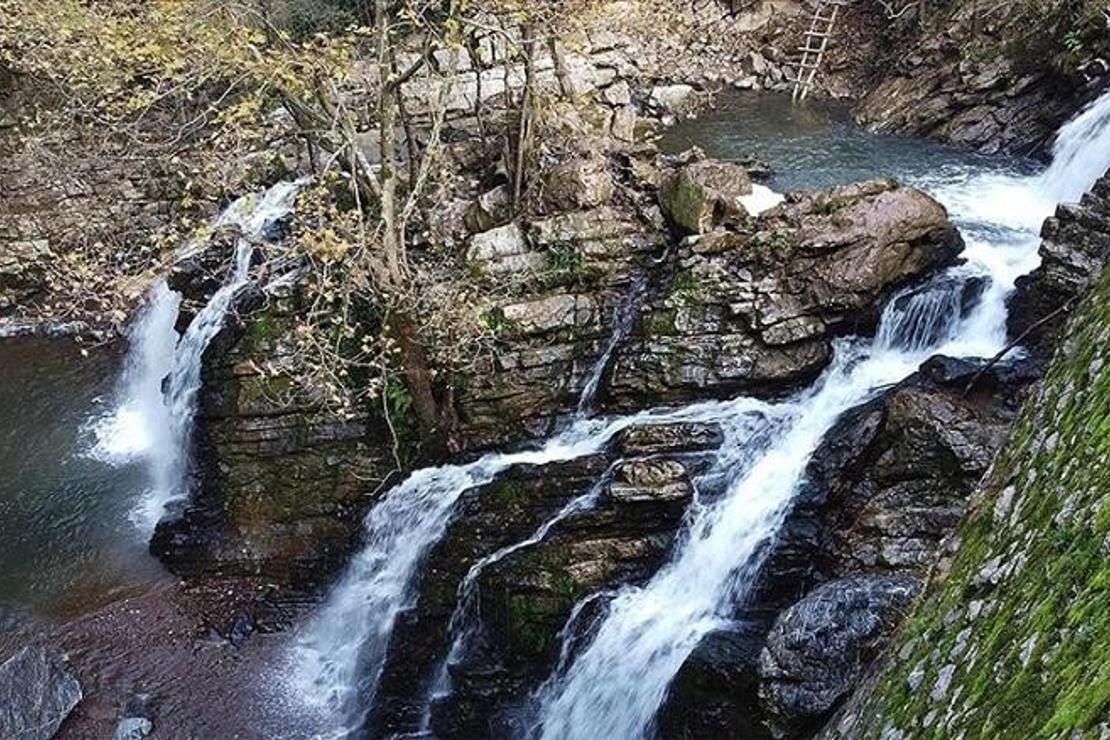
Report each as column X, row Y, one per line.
column 1022, row 621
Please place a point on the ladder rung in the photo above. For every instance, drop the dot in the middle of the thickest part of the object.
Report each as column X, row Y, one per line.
column 817, row 34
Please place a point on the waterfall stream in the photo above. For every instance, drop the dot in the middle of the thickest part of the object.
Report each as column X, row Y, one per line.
column 611, row 682
column 616, row 684
column 153, row 421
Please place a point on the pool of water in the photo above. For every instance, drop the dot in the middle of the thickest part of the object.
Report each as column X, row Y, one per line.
column 66, row 543
column 818, row 145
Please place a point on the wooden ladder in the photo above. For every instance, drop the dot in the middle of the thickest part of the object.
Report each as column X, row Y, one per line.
column 816, row 42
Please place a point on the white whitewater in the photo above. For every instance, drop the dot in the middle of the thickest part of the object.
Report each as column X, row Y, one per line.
column 465, row 624
column 616, row 684
column 338, row 657
column 162, row 373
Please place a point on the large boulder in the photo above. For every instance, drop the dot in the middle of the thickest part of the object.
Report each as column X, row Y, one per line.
column 818, row 648
column 715, row 693
column 752, row 309
column 892, row 479
column 37, row 692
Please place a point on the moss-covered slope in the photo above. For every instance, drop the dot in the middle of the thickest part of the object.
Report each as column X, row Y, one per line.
column 1014, row 640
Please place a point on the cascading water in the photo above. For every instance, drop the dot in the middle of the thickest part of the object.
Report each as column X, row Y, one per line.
column 465, row 624
column 162, row 374
column 615, row 685
column 339, row 655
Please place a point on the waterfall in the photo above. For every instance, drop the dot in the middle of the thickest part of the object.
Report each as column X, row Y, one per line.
column 153, row 421
column 615, row 685
column 338, row 657
column 465, row 624
column 612, row 684
column 623, row 317
column 1080, row 154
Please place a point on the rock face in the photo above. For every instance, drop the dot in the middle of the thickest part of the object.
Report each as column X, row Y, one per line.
column 1010, row 640
column 818, row 647
column 886, row 485
column 282, row 479
column 37, row 693
column 754, row 308
column 1075, row 247
column 892, row 478
column 946, row 86
column 642, row 487
column 22, row 271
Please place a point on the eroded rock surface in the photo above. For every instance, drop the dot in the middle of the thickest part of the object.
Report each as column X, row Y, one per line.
column 1076, row 245
column 819, row 647
column 37, row 693
column 752, row 309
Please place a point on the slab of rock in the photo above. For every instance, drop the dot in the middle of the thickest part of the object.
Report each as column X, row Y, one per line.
column 580, row 183
column 23, row 267
column 503, row 250
column 37, row 693
column 817, row 648
column 752, row 307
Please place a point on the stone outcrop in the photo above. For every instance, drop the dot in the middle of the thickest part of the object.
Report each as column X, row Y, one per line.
column 984, row 77
column 818, row 648
column 642, row 484
column 1075, row 247
column 37, row 693
column 1010, row 638
column 704, row 194
column 283, row 477
column 753, row 308
column 23, row 267
column 887, row 484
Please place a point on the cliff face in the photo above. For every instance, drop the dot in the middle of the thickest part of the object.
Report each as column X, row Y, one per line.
column 1012, row 639
column 986, row 75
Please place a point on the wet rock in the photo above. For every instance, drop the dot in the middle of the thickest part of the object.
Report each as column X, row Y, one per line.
column 751, row 309
column 1075, row 247
column 892, row 479
column 525, row 598
column 704, row 194
column 282, row 479
column 650, row 440
column 817, row 649
column 37, row 693
column 715, row 692
column 199, row 270
column 488, row 518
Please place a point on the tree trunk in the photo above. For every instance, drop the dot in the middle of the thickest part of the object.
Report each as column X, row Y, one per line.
column 436, row 420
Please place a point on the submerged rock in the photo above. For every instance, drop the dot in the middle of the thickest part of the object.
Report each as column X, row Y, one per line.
column 37, row 693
